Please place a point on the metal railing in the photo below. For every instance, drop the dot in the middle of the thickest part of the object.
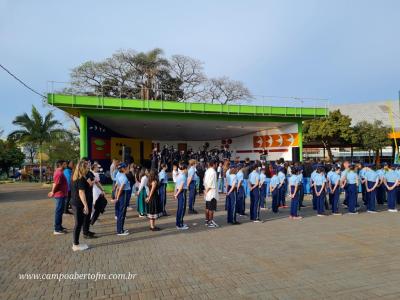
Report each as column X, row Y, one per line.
column 147, row 94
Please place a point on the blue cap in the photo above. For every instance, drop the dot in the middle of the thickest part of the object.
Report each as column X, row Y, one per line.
column 122, row 165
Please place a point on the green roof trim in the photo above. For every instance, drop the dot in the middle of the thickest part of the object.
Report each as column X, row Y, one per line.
column 68, row 102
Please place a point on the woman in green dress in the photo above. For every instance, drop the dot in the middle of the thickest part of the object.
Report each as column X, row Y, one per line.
column 142, row 193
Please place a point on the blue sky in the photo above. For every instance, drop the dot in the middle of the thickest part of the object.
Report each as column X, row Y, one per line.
column 346, row 51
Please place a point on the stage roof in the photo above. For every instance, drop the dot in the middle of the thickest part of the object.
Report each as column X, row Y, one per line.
column 168, row 120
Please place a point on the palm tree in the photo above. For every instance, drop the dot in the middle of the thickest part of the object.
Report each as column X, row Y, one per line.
column 150, row 64
column 36, row 130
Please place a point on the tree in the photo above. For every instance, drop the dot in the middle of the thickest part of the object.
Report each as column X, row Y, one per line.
column 37, row 130
column 66, row 148
column 335, row 128
column 224, row 90
column 10, row 156
column 372, row 136
column 150, row 75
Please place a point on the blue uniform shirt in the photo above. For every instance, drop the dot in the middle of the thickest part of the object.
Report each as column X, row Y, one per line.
column 67, row 173
column 274, row 181
column 239, row 176
column 319, row 179
column 371, row 175
column 293, row 180
column 329, row 174
column 262, row 178
column 232, row 180
column 192, row 173
column 300, row 178
column 362, row 173
column 391, row 176
column 254, row 177
column 380, row 173
column 351, row 177
column 121, row 179
column 334, row 179
column 281, row 176
column 181, row 178
column 313, row 174
column 163, row 177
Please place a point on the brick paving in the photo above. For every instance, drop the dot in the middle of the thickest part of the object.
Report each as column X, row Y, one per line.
column 335, row 257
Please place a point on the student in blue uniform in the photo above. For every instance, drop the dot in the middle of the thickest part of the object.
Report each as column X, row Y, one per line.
column 319, row 189
column 240, row 199
column 371, row 184
column 391, row 180
column 121, row 198
column 231, row 196
column 328, row 180
column 254, row 179
column 294, row 194
column 300, row 180
column 274, row 191
column 227, row 184
column 282, row 187
column 334, row 188
column 312, row 186
column 263, row 188
column 362, row 179
column 351, row 182
column 346, row 165
column 380, row 192
column 163, row 179
column 180, row 196
column 191, row 179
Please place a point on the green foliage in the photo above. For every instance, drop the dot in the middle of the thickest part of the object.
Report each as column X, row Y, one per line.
column 64, row 148
column 10, row 156
column 372, row 136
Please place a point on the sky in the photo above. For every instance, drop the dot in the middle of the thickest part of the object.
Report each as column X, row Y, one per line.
column 344, row 51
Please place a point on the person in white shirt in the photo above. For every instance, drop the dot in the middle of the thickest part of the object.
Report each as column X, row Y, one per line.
column 220, row 181
column 99, row 200
column 210, row 194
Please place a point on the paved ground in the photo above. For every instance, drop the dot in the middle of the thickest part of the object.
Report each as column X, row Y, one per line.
column 335, row 257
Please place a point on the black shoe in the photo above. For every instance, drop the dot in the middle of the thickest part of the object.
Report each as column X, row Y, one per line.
column 89, row 236
column 155, row 228
column 68, row 212
column 303, row 205
column 193, row 212
column 91, row 233
column 236, row 223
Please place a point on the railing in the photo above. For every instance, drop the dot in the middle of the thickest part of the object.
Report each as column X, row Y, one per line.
column 165, row 96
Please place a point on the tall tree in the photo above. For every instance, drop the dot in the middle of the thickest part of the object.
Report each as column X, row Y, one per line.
column 335, row 128
column 372, row 136
column 37, row 130
column 224, row 90
column 10, row 156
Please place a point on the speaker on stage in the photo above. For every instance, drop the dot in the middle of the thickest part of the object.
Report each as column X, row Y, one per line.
column 295, row 154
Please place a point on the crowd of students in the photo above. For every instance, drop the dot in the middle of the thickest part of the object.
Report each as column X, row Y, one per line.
column 80, row 188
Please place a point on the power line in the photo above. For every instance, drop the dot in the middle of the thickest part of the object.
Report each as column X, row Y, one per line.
column 20, row 81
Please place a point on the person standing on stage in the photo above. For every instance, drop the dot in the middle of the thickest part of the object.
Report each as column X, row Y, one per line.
column 210, row 194
column 68, row 175
column 192, row 185
column 180, row 196
column 334, row 189
column 371, row 184
column 59, row 191
column 254, row 179
column 241, row 197
column 121, row 198
column 163, row 181
column 294, row 194
column 391, row 181
column 231, row 196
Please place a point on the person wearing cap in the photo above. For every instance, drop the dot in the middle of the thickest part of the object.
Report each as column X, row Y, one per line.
column 282, row 187
column 371, row 184
column 241, row 196
column 351, row 181
column 254, row 179
column 68, row 175
column 163, row 182
column 180, row 196
column 294, row 193
column 263, row 189
column 231, row 197
column 274, row 191
column 191, row 181
column 319, row 189
column 334, row 189
column 59, row 191
column 121, row 198
column 391, row 180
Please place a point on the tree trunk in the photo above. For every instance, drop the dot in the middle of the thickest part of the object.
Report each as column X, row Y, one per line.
column 40, row 163
column 377, row 157
column 369, row 156
column 330, row 155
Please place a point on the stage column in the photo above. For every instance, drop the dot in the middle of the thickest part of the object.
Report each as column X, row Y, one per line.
column 300, row 138
column 83, row 135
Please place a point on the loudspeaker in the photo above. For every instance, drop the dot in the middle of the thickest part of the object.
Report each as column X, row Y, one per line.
column 295, row 154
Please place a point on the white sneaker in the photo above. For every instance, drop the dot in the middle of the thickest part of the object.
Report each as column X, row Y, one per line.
column 371, row 211
column 256, row 221
column 353, row 213
column 80, row 247
column 115, row 217
column 182, row 228
column 211, row 225
column 392, row 210
column 123, row 234
column 215, row 224
column 56, row 232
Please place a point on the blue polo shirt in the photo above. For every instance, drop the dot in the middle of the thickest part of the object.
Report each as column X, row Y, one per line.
column 391, row 176
column 121, row 179
column 254, row 177
column 163, row 177
column 351, row 177
column 232, row 180
column 181, row 178
column 192, row 173
column 262, row 178
column 371, row 175
column 239, row 176
column 274, row 181
column 319, row 179
column 281, row 176
column 293, row 180
column 334, row 178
